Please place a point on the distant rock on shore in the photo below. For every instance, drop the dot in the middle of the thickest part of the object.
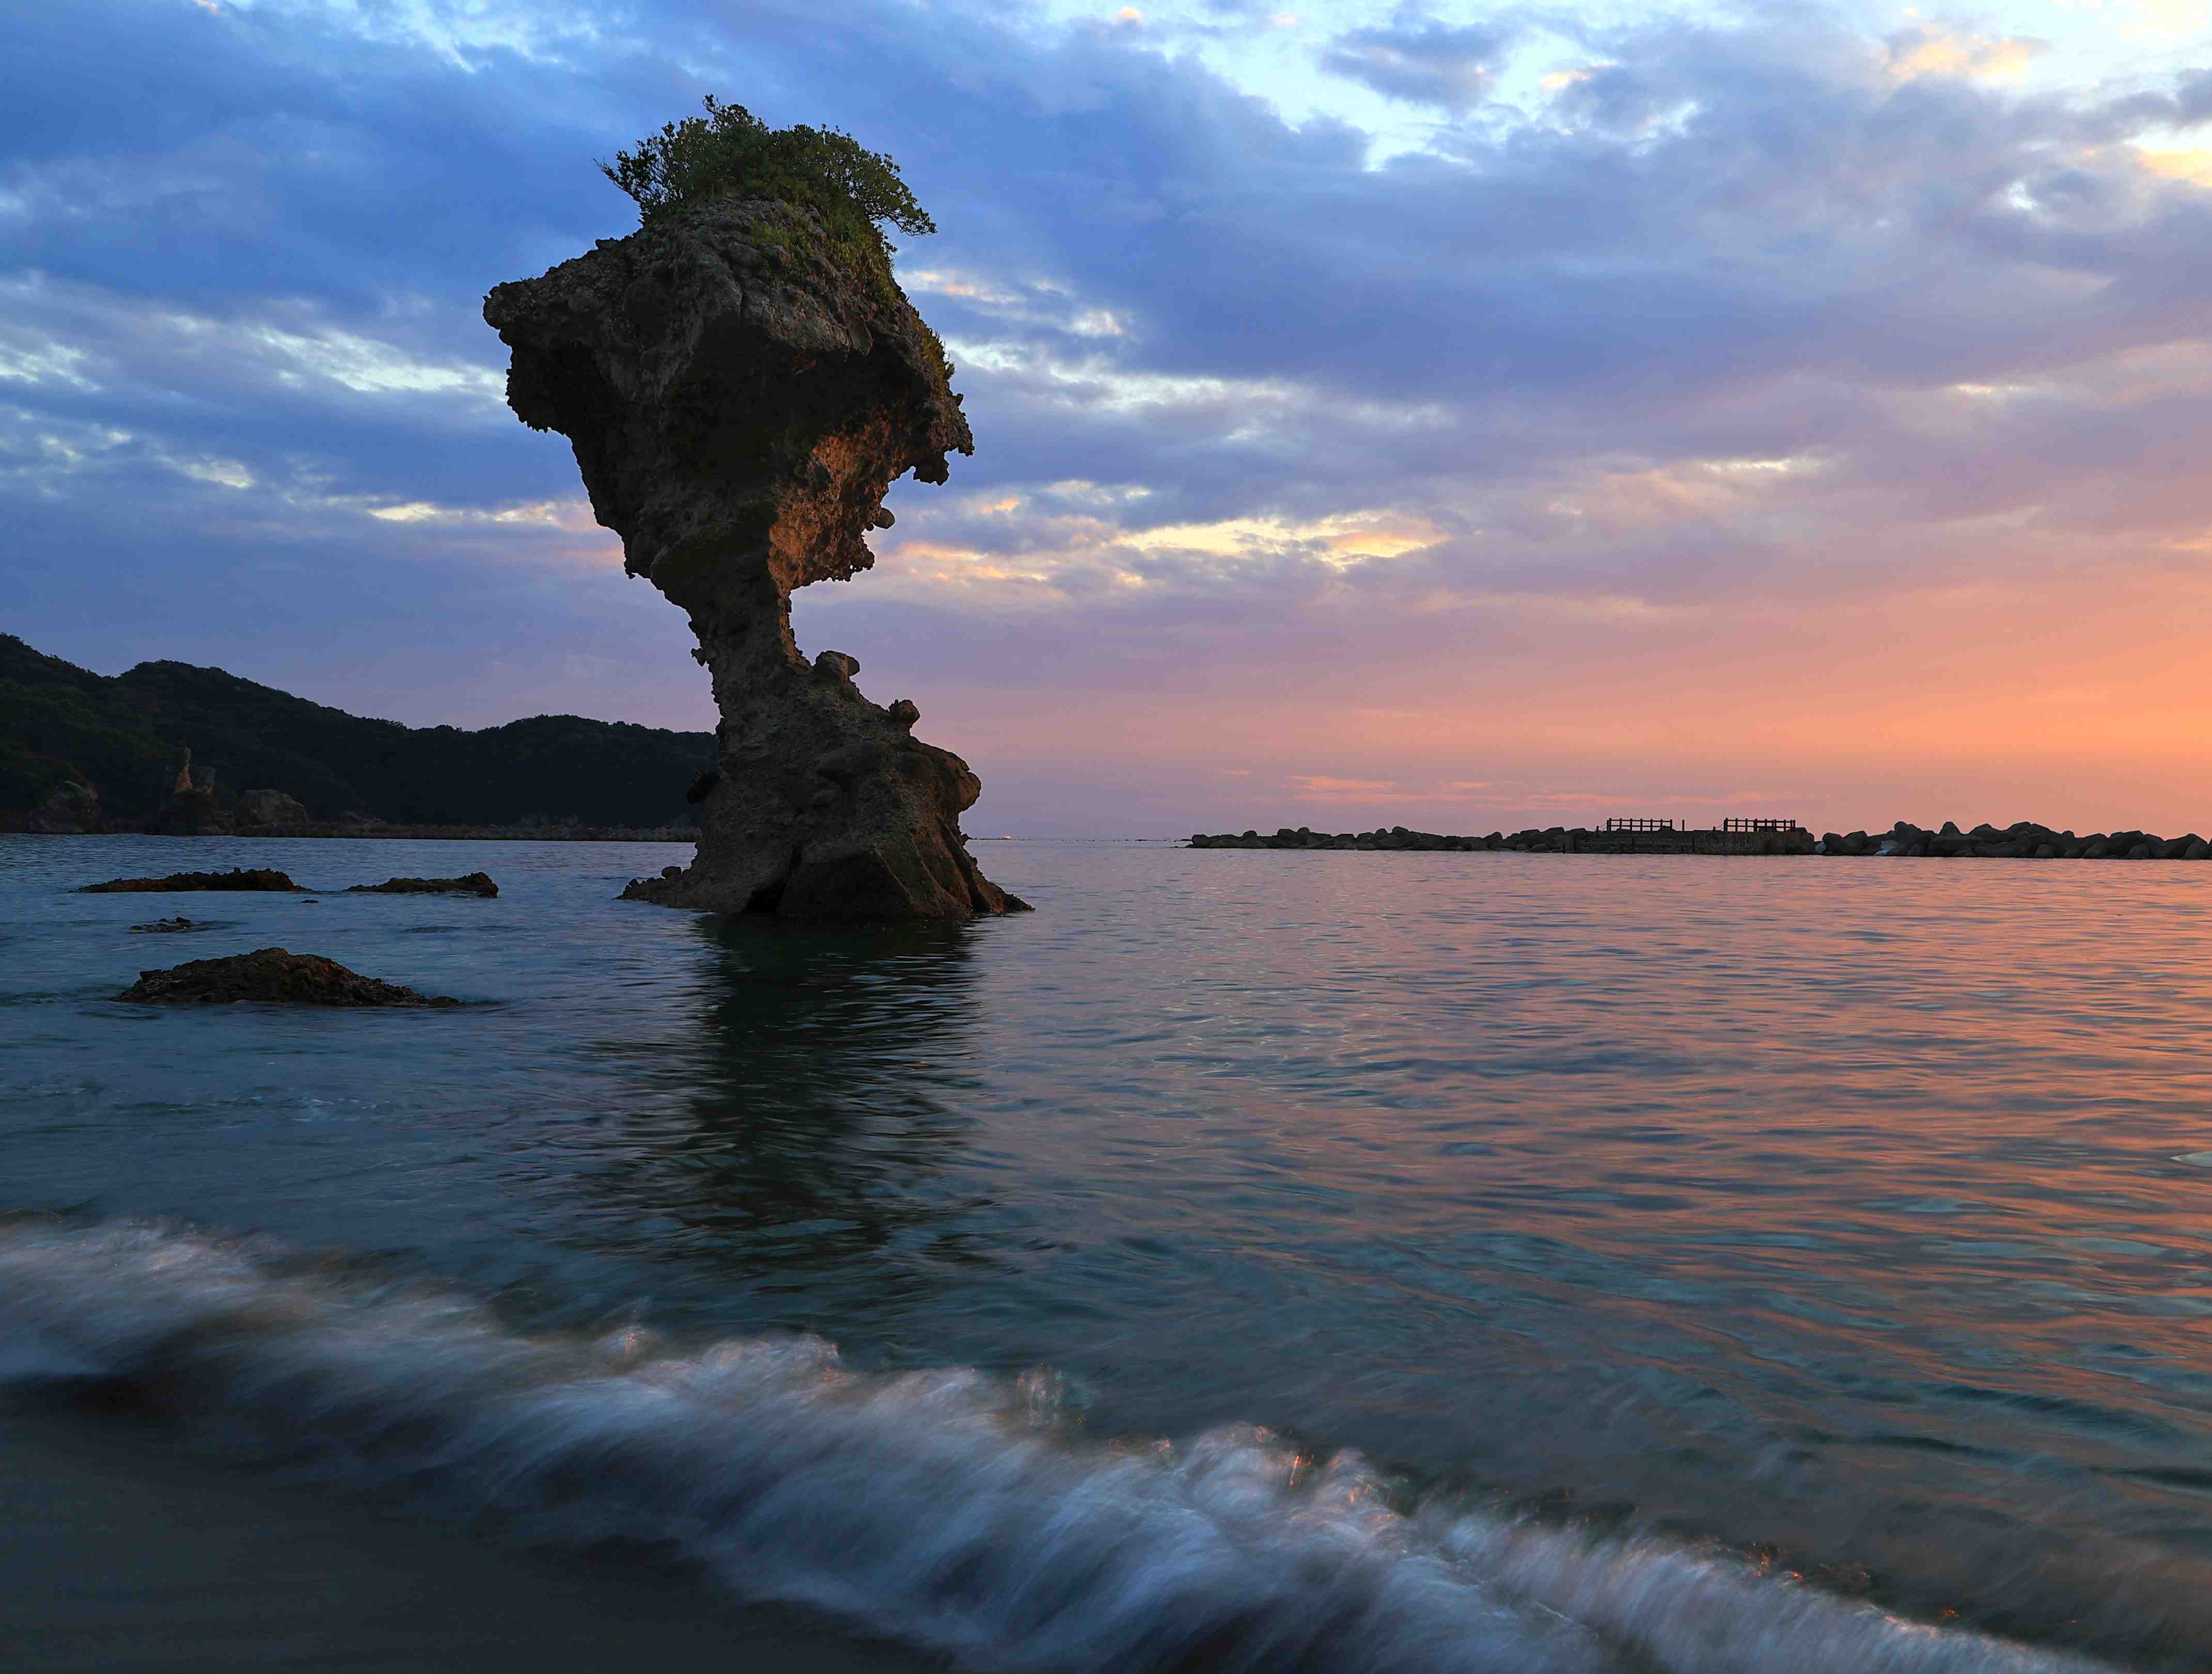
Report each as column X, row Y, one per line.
column 272, row 808
column 272, row 976
column 71, row 811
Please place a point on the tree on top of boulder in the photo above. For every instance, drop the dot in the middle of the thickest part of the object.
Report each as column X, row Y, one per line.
column 731, row 153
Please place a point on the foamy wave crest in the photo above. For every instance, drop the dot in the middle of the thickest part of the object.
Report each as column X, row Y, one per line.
column 945, row 1507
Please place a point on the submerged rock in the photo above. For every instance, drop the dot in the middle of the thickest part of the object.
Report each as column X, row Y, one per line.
column 168, row 927
column 274, row 976
column 740, row 394
column 260, row 879
column 476, row 883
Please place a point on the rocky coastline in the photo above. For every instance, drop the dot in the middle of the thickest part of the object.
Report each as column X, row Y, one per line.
column 2024, row 841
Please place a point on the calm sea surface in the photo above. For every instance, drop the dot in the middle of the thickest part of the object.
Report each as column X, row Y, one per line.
column 1330, row 1261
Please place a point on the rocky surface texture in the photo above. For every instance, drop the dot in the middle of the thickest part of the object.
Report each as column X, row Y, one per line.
column 273, row 976
column 260, row 877
column 172, row 926
column 476, row 883
column 739, row 397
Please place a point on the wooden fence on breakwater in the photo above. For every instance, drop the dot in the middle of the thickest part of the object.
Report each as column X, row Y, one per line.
column 1731, row 836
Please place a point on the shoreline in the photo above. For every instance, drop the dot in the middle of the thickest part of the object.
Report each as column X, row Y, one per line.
column 129, row 1551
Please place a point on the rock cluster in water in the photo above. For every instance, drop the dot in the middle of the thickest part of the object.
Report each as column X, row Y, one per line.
column 273, row 976
column 268, row 879
column 2021, row 841
column 739, row 397
column 475, row 883
column 260, row 879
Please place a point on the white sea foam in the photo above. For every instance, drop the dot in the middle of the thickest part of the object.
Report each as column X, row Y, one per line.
column 946, row 1507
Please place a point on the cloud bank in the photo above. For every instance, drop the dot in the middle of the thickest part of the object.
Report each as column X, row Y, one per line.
column 1672, row 414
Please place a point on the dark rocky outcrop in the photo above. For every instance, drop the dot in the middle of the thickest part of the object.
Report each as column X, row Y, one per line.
column 71, row 808
column 476, row 883
column 170, row 927
column 264, row 878
column 193, row 807
column 269, row 807
column 273, row 976
column 739, row 397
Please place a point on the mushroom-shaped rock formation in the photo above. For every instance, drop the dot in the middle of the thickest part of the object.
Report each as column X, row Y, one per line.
column 739, row 395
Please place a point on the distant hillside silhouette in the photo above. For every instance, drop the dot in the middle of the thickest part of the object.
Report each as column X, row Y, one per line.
column 122, row 735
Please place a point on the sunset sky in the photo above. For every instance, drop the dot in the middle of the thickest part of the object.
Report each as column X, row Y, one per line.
column 1466, row 417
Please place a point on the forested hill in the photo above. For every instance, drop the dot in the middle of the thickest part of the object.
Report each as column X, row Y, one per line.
column 123, row 735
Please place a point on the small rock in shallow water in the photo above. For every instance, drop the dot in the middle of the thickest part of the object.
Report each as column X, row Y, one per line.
column 273, row 975
column 261, row 877
column 166, row 926
column 476, row 883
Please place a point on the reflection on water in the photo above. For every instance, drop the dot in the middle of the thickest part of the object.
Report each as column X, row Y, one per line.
column 811, row 1145
column 1858, row 1213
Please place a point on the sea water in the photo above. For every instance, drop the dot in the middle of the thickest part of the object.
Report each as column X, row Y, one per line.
column 1330, row 1261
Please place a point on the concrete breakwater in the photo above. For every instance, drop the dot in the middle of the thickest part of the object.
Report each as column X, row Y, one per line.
column 2024, row 841
column 1562, row 839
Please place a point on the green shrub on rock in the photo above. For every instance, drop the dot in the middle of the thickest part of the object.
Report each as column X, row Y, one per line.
column 730, row 152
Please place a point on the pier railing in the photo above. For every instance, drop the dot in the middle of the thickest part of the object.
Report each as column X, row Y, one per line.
column 1758, row 825
column 1639, row 825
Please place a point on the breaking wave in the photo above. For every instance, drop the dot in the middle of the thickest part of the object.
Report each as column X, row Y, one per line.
column 948, row 1508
